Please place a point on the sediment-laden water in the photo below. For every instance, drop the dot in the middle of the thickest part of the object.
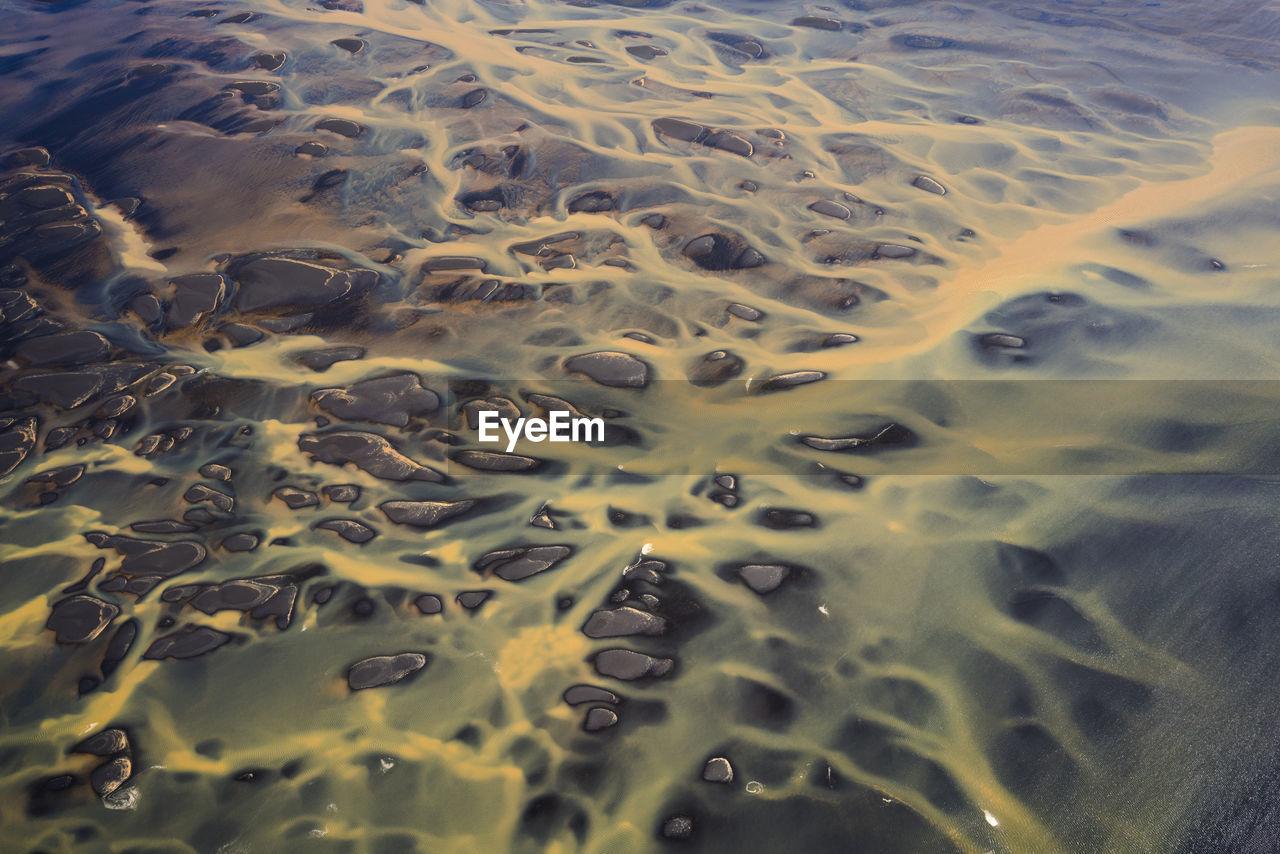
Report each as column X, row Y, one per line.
column 936, row 346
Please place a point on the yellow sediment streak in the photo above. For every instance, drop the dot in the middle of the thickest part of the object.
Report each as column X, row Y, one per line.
column 1240, row 158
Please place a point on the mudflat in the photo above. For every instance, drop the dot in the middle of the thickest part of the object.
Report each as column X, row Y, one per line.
column 935, row 351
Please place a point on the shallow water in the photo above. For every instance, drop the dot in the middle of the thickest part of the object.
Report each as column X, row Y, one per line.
column 939, row 485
